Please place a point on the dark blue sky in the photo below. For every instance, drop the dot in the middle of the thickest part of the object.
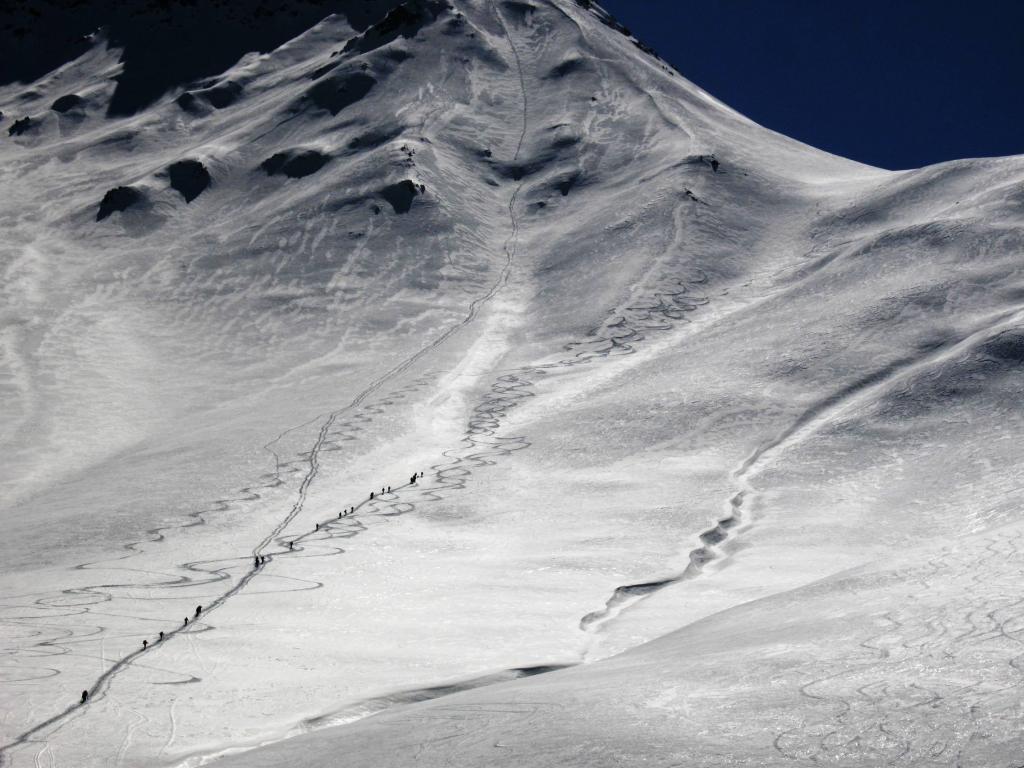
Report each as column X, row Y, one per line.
column 897, row 84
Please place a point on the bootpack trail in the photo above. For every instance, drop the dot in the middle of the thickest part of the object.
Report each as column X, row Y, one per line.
column 101, row 684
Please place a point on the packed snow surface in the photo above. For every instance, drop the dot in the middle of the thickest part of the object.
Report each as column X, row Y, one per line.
column 719, row 434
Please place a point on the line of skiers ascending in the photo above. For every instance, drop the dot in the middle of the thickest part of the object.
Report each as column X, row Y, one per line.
column 259, row 560
column 145, row 645
column 351, row 510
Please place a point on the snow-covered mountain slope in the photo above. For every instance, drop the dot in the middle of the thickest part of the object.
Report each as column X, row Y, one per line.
column 726, row 424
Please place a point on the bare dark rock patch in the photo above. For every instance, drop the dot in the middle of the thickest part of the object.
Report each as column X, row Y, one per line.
column 366, row 13
column 522, row 170
column 319, row 72
column 188, row 102
column 118, row 199
column 401, row 195
column 122, row 141
column 67, row 103
column 396, row 55
column 456, row 25
column 190, row 178
column 295, row 163
column 19, row 127
column 339, row 91
column 223, row 95
column 565, row 185
column 566, row 68
column 519, row 9
column 1007, row 347
column 375, row 137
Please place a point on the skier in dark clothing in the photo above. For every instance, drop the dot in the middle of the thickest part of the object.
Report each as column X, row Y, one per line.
column 186, row 621
column 161, row 635
column 371, row 495
column 199, row 609
column 256, row 561
column 291, row 545
column 85, row 696
column 389, row 489
column 714, row 164
column 145, row 644
column 421, row 474
column 412, row 480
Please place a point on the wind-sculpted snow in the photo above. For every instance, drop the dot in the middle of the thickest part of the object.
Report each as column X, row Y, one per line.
column 217, row 96
column 338, row 91
column 502, row 398
column 917, row 663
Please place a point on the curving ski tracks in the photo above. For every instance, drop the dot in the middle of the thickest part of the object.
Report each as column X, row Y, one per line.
column 101, row 684
column 665, row 303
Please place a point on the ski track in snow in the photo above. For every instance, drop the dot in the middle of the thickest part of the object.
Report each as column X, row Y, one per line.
column 98, row 594
column 711, row 546
column 657, row 309
column 865, row 701
column 664, row 300
column 207, row 572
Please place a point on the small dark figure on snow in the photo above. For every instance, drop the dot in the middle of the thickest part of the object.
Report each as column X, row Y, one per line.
column 412, row 481
column 389, row 489
column 145, row 644
column 714, row 164
column 199, row 609
column 318, row 526
column 421, row 474
column 85, row 696
column 371, row 495
column 256, row 560
column 340, row 514
column 291, row 545
column 186, row 621
column 161, row 635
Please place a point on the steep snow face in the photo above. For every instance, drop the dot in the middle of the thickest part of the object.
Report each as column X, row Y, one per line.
column 654, row 361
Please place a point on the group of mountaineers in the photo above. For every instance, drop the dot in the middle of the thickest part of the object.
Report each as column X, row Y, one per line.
column 259, row 560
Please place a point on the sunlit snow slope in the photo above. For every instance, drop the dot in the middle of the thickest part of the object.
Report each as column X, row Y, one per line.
column 719, row 434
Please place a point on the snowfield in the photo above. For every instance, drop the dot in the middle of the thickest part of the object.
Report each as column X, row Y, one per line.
column 719, row 434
